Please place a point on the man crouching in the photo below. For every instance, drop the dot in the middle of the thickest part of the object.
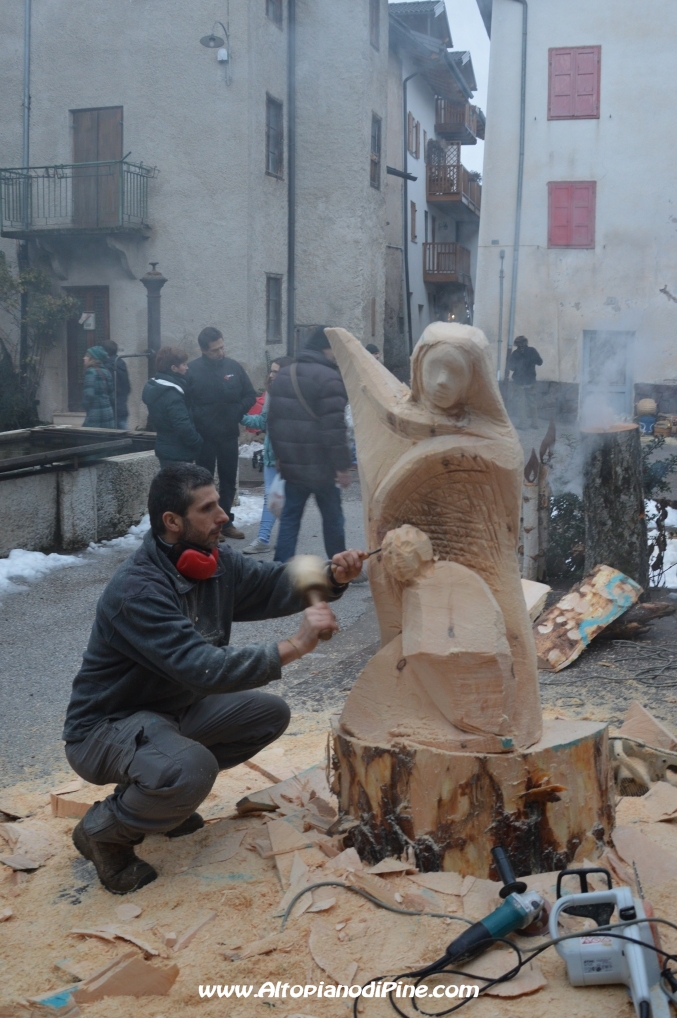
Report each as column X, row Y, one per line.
column 161, row 702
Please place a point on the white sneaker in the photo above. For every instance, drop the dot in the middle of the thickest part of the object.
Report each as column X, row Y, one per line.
column 257, row 548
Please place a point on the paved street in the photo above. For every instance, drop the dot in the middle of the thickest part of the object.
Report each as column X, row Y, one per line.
column 43, row 632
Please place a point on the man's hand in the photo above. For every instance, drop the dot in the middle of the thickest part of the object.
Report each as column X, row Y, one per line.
column 347, row 565
column 315, row 620
column 343, row 477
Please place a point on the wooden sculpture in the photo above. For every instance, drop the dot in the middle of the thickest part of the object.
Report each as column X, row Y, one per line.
column 450, row 701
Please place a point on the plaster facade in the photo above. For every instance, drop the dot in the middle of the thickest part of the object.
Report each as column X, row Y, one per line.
column 626, row 282
column 219, row 221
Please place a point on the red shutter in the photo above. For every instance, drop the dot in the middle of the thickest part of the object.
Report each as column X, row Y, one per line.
column 561, row 84
column 571, row 213
column 587, row 64
column 573, row 82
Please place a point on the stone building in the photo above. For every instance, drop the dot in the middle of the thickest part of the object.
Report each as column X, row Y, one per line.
column 430, row 262
column 238, row 145
column 590, row 254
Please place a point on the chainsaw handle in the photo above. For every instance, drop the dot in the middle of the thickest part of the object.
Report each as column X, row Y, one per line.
column 582, row 875
column 621, row 897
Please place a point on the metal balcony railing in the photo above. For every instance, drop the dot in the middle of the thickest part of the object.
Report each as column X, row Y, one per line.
column 446, row 263
column 102, row 197
column 453, row 183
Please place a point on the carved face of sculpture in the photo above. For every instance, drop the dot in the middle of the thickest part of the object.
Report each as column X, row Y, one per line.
column 446, row 373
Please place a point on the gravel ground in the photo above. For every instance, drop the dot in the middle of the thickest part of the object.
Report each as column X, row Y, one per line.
column 44, row 630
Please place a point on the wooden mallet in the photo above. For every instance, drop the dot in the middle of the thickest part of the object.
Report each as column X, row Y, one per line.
column 308, row 575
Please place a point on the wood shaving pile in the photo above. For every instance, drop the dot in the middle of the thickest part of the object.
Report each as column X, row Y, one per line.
column 214, row 911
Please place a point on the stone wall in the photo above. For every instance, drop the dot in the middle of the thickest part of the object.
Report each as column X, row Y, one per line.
column 67, row 509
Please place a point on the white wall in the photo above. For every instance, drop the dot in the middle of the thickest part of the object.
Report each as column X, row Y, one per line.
column 631, row 151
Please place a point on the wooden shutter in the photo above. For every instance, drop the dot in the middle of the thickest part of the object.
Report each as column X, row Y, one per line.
column 574, row 80
column 97, row 138
column 418, row 139
column 571, row 213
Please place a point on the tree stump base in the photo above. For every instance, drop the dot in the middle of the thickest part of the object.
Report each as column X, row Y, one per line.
column 548, row 805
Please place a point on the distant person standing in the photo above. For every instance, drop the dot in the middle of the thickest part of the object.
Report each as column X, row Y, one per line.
column 259, row 422
column 97, row 392
column 523, row 362
column 306, row 424
column 168, row 412
column 121, row 384
column 220, row 392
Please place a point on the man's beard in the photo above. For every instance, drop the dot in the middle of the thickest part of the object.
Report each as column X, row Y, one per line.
column 191, row 536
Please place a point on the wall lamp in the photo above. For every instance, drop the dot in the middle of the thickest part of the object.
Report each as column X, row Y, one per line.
column 213, row 41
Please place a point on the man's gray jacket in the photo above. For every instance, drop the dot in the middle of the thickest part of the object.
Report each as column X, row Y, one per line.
column 160, row 641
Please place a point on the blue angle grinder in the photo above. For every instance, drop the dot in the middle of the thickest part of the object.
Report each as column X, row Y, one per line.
column 520, row 908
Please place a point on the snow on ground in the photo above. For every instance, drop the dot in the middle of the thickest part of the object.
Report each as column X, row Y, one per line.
column 24, row 567
column 669, row 577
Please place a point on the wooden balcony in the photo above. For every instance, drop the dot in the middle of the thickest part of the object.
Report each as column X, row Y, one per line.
column 446, row 263
column 455, row 189
column 459, row 122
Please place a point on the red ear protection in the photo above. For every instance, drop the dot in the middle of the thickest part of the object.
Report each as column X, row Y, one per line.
column 196, row 564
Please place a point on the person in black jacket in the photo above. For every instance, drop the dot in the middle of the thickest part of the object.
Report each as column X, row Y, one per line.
column 162, row 702
column 307, row 428
column 220, row 393
column 168, row 412
column 121, row 384
column 523, row 362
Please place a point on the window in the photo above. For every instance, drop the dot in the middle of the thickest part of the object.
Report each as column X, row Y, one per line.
column 375, row 163
column 273, row 309
column 374, row 22
column 274, row 137
column 274, row 11
column 413, row 136
column 412, row 218
column 571, row 213
column 573, row 85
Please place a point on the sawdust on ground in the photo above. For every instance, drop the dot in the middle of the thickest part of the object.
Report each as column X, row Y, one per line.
column 245, row 893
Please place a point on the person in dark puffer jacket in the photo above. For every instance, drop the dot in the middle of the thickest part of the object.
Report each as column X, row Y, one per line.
column 309, row 440
column 178, row 441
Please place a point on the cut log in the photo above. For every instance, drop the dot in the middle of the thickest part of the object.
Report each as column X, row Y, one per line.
column 565, row 630
column 613, row 501
column 637, row 620
column 454, row 807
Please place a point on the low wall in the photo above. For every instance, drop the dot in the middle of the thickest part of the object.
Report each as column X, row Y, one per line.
column 67, row 509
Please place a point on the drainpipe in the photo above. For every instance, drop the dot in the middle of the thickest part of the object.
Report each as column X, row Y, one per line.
column 22, row 247
column 153, row 281
column 520, row 181
column 501, row 277
column 291, row 180
column 405, row 211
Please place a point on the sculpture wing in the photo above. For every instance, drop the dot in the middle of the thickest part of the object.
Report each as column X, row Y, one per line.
column 374, row 395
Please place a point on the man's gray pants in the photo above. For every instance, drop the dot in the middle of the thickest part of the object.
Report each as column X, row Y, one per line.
column 164, row 766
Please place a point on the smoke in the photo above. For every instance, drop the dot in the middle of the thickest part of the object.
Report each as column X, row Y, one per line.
column 606, row 395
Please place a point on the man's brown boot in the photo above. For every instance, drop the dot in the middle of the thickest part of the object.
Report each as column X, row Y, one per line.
column 230, row 530
column 120, row 869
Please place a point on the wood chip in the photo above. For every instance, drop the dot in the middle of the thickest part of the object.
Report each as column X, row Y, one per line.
column 112, row 933
column 390, row 865
column 19, row 862
column 654, row 865
column 445, row 883
column 640, row 724
column 5, row 914
column 660, row 802
column 127, row 976
column 346, row 860
column 185, row 938
column 128, row 911
column 220, row 850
